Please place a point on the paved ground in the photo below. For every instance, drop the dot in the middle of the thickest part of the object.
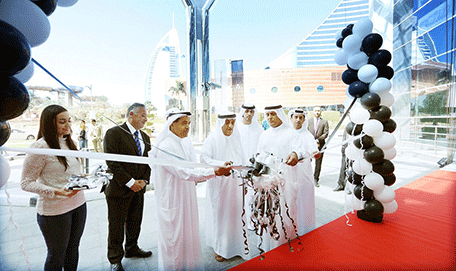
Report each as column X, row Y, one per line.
column 22, row 246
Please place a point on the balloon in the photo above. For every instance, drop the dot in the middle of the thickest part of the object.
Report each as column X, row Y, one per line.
column 357, row 204
column 363, row 27
column 352, row 44
column 367, row 73
column 380, row 84
column 374, row 155
column 346, row 32
column 373, row 207
column 386, row 98
column 359, row 115
column 364, row 142
column 353, row 129
column 386, row 71
column 373, row 128
column 357, row 89
column 27, row 73
column 66, row 3
column 380, row 58
column 349, row 76
column 47, row 6
column 5, row 171
column 389, row 126
column 386, row 167
column 363, row 193
column 341, row 57
column 14, row 98
column 385, row 141
column 374, row 181
column 338, row 35
column 339, row 42
column 353, row 177
column 361, row 166
column 5, row 132
column 371, row 43
column 389, row 179
column 353, row 152
column 28, row 18
column 383, row 113
column 15, row 50
column 390, row 207
column 370, row 100
column 386, row 195
column 356, row 61
column 390, row 153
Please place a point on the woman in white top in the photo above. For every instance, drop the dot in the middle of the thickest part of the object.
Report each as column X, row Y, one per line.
column 61, row 214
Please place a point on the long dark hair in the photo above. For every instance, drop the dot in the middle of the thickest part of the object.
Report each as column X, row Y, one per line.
column 48, row 130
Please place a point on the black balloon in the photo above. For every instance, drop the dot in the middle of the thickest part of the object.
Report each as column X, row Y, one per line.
column 365, row 142
column 374, row 155
column 47, row 6
column 346, row 32
column 389, row 179
column 362, row 192
column 5, row 132
column 14, row 98
column 339, row 42
column 350, row 26
column 357, row 89
column 370, row 101
column 389, row 126
column 382, row 114
column 386, row 72
column 349, row 76
column 15, row 50
column 353, row 130
column 373, row 207
column 386, row 167
column 353, row 177
column 380, row 58
column 371, row 43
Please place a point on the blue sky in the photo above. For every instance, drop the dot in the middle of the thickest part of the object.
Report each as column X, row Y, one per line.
column 108, row 44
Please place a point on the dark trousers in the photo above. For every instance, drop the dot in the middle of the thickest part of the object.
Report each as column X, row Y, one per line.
column 62, row 234
column 124, row 217
column 318, row 167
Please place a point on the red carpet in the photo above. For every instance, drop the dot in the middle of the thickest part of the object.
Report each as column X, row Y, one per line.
column 420, row 235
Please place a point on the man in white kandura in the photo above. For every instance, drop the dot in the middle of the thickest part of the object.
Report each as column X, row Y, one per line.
column 282, row 141
column 250, row 130
column 306, row 190
column 179, row 246
column 224, row 195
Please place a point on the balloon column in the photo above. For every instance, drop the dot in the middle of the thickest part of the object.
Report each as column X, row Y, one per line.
column 23, row 25
column 369, row 155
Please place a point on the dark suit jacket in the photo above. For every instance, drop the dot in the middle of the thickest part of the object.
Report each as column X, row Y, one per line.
column 322, row 130
column 118, row 141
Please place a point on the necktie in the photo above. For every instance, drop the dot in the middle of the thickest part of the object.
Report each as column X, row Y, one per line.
column 316, row 126
column 137, row 142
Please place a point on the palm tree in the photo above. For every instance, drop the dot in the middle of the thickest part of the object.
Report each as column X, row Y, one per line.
column 179, row 89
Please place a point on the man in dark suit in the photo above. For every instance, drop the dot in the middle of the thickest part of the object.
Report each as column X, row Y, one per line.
column 125, row 192
column 319, row 128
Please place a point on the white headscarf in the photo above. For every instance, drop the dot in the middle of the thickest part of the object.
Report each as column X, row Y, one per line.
column 280, row 113
column 299, row 111
column 254, row 124
column 234, row 140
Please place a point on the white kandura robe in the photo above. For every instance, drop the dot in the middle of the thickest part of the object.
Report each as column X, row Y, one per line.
column 224, row 196
column 282, row 141
column 179, row 246
column 306, row 189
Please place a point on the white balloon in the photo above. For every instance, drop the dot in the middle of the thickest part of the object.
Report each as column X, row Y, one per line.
column 390, row 153
column 66, row 3
column 386, row 98
column 27, row 73
column 380, row 85
column 361, row 166
column 341, row 57
column 5, row 171
column 359, row 115
column 356, row 61
column 352, row 152
column 374, row 181
column 390, row 207
column 385, row 141
column 386, row 195
column 28, row 18
column 357, row 204
column 368, row 73
column 338, row 35
column 363, row 27
column 352, row 44
column 373, row 128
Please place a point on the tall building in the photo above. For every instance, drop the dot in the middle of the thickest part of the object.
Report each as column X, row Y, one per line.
column 164, row 64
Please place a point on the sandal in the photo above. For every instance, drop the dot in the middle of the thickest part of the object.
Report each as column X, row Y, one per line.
column 219, row 258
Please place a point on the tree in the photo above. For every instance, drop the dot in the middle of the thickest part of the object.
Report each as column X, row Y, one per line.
column 177, row 90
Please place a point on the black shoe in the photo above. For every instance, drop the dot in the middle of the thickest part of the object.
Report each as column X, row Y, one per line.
column 117, row 267
column 316, row 183
column 339, row 188
column 139, row 254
